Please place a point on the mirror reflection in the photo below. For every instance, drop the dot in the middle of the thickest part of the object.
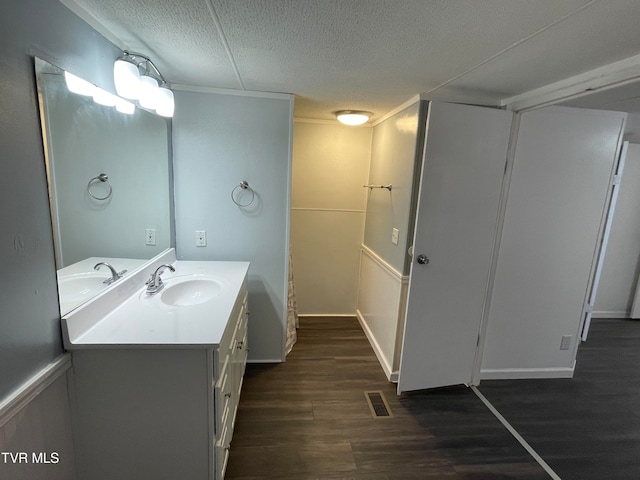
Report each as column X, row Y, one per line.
column 108, row 169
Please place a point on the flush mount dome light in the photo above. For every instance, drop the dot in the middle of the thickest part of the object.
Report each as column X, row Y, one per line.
column 353, row 117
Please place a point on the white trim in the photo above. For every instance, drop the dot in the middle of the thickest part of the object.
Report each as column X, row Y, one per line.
column 526, row 373
column 516, row 435
column 265, row 360
column 399, row 108
column 323, row 121
column 326, row 315
column 29, row 390
column 94, row 23
column 611, row 314
column 376, row 348
column 230, row 91
column 337, row 210
column 376, row 258
column 599, row 79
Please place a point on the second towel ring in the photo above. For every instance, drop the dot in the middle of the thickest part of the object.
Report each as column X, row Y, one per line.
column 244, row 186
column 103, row 177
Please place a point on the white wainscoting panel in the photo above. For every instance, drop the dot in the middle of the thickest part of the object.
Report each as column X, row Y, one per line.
column 38, row 424
column 380, row 306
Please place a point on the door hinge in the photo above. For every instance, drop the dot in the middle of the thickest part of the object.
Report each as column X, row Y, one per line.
column 588, row 308
column 617, row 179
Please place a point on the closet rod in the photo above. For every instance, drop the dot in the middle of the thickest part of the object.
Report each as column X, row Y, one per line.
column 388, row 187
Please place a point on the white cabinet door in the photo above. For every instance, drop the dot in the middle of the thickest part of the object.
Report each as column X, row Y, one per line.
column 463, row 166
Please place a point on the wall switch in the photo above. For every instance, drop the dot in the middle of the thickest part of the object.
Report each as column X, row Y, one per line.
column 394, row 236
column 201, row 238
column 150, row 237
column 565, row 343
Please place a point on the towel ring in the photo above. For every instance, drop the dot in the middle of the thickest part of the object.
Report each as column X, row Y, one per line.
column 103, row 177
column 244, row 186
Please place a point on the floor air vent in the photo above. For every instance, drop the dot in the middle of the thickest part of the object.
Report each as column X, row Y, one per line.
column 378, row 405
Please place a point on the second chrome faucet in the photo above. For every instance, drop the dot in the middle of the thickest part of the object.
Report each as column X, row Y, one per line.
column 154, row 284
column 115, row 275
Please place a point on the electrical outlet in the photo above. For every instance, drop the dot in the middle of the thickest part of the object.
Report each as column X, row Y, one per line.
column 565, row 343
column 150, row 237
column 201, row 238
column 394, row 236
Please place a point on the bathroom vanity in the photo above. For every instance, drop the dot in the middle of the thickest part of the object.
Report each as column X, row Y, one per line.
column 157, row 378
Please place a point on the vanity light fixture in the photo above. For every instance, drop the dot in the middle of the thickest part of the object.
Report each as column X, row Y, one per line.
column 79, row 85
column 137, row 78
column 124, row 106
column 353, row 117
column 103, row 97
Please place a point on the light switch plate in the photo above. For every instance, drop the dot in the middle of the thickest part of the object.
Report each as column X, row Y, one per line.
column 394, row 236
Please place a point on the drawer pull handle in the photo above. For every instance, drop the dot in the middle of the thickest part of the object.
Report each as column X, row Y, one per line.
column 240, row 344
column 228, row 395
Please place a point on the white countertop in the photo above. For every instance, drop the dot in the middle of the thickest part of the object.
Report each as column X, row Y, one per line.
column 131, row 319
column 70, row 298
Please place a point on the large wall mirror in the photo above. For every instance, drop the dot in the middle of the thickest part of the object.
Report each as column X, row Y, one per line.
column 109, row 177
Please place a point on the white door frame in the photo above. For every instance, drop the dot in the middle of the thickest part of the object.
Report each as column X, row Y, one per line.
column 600, row 254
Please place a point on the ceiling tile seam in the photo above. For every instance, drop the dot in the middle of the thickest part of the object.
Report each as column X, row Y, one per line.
column 511, row 47
column 225, row 43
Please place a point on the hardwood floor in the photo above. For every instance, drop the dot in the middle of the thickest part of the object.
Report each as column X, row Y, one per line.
column 587, row 427
column 307, row 419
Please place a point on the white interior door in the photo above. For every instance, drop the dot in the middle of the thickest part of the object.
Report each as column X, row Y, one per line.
column 463, row 165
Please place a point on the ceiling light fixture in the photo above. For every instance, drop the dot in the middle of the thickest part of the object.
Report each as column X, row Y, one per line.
column 137, row 78
column 353, row 117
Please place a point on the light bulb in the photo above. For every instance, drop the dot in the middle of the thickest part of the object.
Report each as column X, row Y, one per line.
column 126, row 77
column 166, row 102
column 103, row 97
column 123, row 106
column 148, row 92
column 79, row 85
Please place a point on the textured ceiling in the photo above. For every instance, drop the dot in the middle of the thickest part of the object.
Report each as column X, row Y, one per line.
column 372, row 54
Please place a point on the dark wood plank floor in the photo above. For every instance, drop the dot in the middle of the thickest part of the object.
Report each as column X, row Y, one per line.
column 587, row 427
column 308, row 419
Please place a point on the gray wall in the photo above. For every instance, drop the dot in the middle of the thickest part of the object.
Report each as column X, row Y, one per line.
column 86, row 139
column 30, row 319
column 394, row 152
column 218, row 141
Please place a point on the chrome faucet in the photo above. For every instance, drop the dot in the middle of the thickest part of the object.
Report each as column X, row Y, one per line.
column 154, row 284
column 114, row 275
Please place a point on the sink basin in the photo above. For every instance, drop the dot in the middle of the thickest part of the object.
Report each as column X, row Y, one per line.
column 80, row 286
column 181, row 292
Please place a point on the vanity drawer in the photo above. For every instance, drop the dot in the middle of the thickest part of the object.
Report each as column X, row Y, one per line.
column 223, row 392
column 222, row 457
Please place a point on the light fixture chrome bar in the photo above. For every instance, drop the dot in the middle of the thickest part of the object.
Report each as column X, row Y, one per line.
column 147, row 61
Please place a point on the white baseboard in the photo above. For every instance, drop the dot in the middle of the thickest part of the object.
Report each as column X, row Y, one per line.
column 526, row 373
column 391, row 375
column 265, row 360
column 326, row 315
column 610, row 314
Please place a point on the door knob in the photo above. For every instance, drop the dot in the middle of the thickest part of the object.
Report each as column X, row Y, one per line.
column 423, row 259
